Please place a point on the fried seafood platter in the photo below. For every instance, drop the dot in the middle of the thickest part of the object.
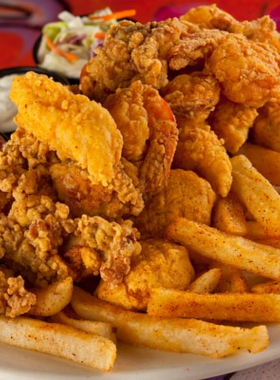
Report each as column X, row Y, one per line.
column 144, row 205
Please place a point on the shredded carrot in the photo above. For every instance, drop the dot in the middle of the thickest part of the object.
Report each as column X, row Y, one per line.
column 115, row 15
column 100, row 36
column 70, row 57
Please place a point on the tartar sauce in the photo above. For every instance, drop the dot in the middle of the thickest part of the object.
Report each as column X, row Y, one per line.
column 7, row 108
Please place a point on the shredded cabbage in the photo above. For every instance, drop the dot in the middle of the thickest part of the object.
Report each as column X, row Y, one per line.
column 75, row 35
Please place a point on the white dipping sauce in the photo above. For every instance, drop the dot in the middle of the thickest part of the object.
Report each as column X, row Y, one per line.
column 7, row 108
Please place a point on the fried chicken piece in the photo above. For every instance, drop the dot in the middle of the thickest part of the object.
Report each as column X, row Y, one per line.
column 211, row 17
column 248, row 72
column 131, row 51
column 75, row 188
column 266, row 128
column 185, row 195
column 160, row 264
column 15, row 300
column 115, row 243
column 200, row 150
column 149, row 131
column 231, row 122
column 73, row 126
column 193, row 95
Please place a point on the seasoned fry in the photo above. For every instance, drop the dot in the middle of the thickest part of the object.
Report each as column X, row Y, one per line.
column 255, row 231
column 267, row 287
column 207, row 282
column 229, row 215
column 273, row 242
column 246, row 307
column 232, row 280
column 53, row 298
column 266, row 161
column 59, row 340
column 231, row 250
column 258, row 195
column 178, row 335
column 93, row 327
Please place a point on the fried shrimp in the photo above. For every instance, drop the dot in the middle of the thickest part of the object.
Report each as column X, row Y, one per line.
column 193, row 95
column 149, row 132
column 248, row 72
column 200, row 150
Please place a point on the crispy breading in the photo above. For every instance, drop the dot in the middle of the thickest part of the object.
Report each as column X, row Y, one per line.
column 131, row 51
column 266, row 127
column 195, row 48
column 116, row 243
column 14, row 298
column 193, row 95
column 149, row 131
column 211, row 17
column 160, row 264
column 200, row 150
column 231, row 122
column 70, row 124
column 185, row 194
column 208, row 17
column 74, row 187
column 247, row 71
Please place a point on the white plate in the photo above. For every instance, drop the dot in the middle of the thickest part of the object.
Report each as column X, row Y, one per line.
column 132, row 363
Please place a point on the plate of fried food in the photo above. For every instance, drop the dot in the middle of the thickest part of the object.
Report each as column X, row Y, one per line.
column 140, row 210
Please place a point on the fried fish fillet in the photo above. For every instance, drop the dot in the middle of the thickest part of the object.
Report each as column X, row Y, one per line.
column 75, row 127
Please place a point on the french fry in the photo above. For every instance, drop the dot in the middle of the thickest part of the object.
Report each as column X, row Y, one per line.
column 93, row 327
column 232, row 279
column 245, row 307
column 257, row 194
column 53, row 298
column 179, row 335
column 272, row 242
column 255, row 231
column 59, row 340
column 207, row 282
column 266, row 161
column 266, row 287
column 229, row 215
column 231, row 250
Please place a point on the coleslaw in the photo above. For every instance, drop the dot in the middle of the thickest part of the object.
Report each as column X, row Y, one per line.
column 68, row 44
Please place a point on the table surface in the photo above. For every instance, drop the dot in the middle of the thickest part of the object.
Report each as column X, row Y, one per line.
column 21, row 22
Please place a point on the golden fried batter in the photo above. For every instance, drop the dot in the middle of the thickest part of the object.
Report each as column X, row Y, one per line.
column 195, row 48
column 200, row 150
column 70, row 124
column 211, row 17
column 160, row 264
column 149, row 131
column 75, row 188
column 193, row 95
column 231, row 122
column 131, row 51
column 208, row 17
column 266, row 130
column 248, row 72
column 116, row 243
column 14, row 298
column 185, row 195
